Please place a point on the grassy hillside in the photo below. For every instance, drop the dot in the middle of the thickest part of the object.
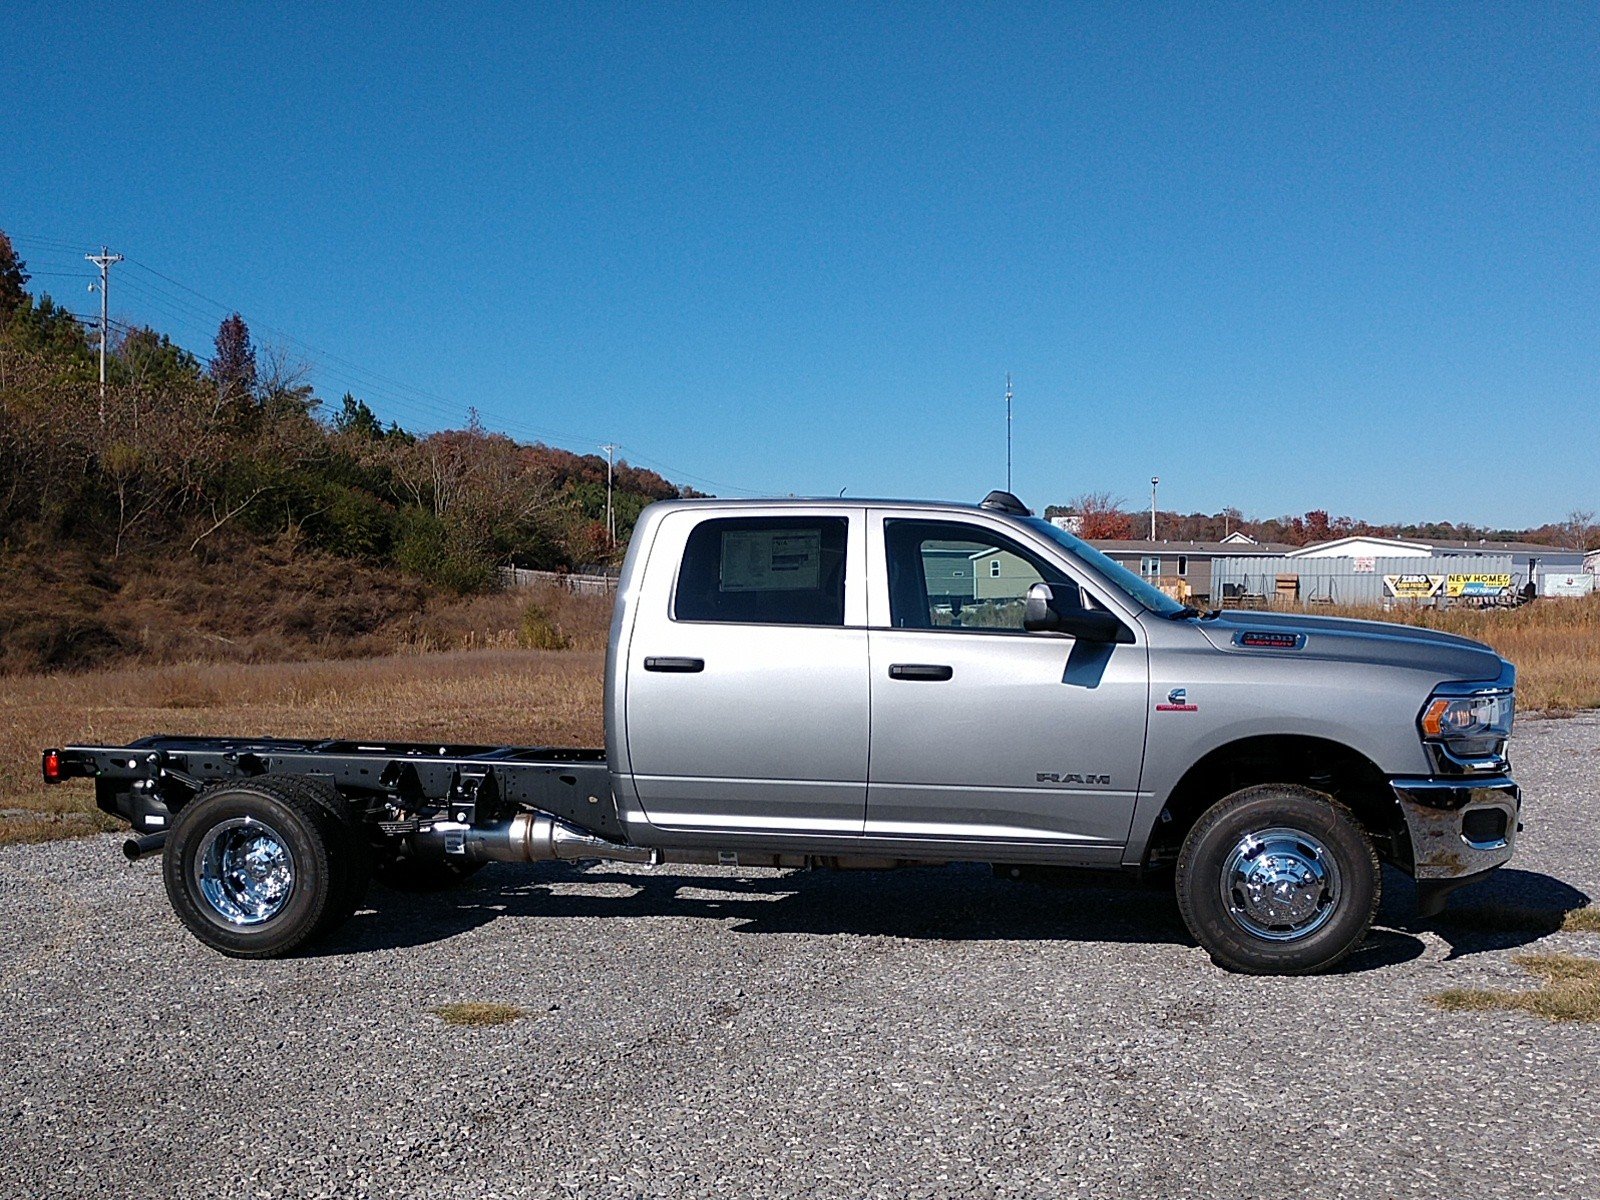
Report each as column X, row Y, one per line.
column 222, row 510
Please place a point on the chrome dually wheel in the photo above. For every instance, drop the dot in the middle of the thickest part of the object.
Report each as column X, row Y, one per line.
column 256, row 868
column 1278, row 879
column 245, row 871
column 1280, row 884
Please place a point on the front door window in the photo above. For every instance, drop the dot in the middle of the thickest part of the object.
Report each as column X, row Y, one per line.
column 950, row 575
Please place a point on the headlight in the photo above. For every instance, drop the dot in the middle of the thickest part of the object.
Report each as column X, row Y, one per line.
column 1467, row 727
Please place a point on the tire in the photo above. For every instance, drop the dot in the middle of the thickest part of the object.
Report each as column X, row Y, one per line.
column 1278, row 880
column 404, row 873
column 257, row 868
column 354, row 849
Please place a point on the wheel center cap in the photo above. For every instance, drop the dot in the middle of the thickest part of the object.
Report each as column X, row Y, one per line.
column 1281, row 890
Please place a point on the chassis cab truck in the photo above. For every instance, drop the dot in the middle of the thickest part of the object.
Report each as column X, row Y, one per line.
column 805, row 683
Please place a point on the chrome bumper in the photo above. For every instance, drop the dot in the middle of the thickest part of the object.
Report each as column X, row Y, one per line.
column 1459, row 827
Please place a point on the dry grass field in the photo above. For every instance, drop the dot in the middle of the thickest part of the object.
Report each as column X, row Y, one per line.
column 1554, row 643
column 526, row 697
column 504, row 688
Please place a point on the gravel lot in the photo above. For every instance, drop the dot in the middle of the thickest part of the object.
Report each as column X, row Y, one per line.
column 696, row 1033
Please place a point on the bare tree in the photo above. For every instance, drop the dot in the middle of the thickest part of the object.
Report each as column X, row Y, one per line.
column 283, row 379
column 1579, row 530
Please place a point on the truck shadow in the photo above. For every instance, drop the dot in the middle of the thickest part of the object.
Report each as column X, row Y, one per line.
column 1510, row 908
column 960, row 903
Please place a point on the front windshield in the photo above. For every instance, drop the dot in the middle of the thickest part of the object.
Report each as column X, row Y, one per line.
column 1147, row 595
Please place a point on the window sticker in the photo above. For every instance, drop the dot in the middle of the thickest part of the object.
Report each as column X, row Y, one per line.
column 767, row 560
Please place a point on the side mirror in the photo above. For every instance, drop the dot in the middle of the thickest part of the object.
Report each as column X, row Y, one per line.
column 1045, row 614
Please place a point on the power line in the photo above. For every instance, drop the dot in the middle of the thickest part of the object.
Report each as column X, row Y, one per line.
column 355, row 377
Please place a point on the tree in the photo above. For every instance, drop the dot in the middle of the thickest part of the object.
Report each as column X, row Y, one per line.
column 233, row 369
column 13, row 279
column 41, row 327
column 146, row 357
column 1579, row 530
column 282, row 383
column 1103, row 517
column 356, row 419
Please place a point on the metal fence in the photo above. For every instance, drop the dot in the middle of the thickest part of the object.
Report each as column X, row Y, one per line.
column 582, row 585
column 1432, row 581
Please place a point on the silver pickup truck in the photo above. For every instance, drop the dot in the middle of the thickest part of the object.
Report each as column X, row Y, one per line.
column 833, row 683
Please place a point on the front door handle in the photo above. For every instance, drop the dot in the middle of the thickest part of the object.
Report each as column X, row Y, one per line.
column 929, row 671
column 677, row 666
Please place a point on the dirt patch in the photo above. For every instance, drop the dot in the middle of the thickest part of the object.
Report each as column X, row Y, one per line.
column 478, row 1014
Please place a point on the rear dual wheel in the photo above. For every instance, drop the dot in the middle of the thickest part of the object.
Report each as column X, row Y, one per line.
column 260, row 867
column 1278, row 880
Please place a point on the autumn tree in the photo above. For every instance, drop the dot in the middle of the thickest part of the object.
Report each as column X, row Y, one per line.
column 13, row 279
column 283, row 381
column 233, row 368
column 1103, row 517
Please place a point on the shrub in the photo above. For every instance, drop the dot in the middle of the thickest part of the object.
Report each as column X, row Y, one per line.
column 538, row 631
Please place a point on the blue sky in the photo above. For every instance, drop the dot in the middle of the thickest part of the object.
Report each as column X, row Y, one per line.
column 1285, row 257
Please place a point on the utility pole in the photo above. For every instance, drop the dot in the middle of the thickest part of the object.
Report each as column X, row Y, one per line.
column 611, row 523
column 103, row 260
column 1154, row 480
column 1008, row 431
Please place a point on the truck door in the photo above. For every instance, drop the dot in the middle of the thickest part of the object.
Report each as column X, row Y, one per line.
column 981, row 730
column 747, row 693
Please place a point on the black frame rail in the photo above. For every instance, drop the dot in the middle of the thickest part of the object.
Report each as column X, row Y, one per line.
column 147, row 781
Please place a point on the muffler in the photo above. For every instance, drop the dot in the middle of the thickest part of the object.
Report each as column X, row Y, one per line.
column 526, row 837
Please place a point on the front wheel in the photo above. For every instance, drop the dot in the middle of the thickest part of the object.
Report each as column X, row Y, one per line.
column 1278, row 880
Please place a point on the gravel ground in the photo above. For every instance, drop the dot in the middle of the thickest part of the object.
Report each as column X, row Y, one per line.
column 697, row 1033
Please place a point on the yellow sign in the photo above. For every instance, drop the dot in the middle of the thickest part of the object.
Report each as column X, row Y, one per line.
column 1478, row 585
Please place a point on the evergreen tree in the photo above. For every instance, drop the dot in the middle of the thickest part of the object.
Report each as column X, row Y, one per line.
column 356, row 418
column 44, row 328
column 145, row 356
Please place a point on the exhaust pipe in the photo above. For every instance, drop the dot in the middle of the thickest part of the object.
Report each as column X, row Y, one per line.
column 136, row 848
column 527, row 837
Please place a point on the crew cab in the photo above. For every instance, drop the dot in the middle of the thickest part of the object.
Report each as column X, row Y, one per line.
column 858, row 683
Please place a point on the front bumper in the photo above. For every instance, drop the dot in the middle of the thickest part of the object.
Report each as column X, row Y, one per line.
column 1459, row 828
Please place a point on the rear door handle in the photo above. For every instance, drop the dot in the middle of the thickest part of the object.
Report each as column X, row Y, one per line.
column 929, row 671
column 677, row 666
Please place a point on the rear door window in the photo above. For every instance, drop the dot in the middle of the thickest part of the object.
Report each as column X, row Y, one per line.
column 764, row 571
